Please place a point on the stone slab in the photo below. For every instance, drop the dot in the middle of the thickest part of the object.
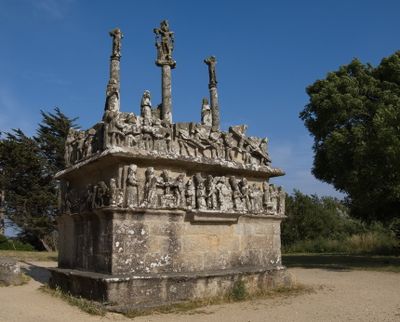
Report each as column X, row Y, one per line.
column 127, row 292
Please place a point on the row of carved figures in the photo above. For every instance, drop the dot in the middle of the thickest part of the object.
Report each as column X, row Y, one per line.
column 147, row 132
column 210, row 193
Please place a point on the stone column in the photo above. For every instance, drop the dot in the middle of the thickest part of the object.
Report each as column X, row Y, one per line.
column 165, row 46
column 166, row 107
column 212, row 85
column 113, row 86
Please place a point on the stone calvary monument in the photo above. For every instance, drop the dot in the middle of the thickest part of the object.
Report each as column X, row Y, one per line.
column 156, row 212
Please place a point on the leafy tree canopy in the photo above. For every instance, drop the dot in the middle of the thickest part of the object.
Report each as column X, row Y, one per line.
column 354, row 116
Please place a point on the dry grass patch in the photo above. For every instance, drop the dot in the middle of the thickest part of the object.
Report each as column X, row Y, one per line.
column 85, row 305
column 30, row 256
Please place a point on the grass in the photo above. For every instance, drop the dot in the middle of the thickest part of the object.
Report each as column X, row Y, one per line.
column 373, row 242
column 85, row 305
column 343, row 261
column 29, row 255
column 189, row 307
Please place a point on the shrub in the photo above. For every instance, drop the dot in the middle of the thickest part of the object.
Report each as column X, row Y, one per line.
column 11, row 244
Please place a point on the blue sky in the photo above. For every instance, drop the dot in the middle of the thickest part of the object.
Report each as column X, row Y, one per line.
column 56, row 52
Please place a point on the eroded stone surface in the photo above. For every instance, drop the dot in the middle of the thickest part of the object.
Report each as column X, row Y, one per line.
column 155, row 212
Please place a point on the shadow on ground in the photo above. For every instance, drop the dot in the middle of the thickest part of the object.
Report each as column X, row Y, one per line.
column 37, row 273
column 342, row 262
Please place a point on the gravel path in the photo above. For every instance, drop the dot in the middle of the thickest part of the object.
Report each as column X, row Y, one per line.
column 338, row 296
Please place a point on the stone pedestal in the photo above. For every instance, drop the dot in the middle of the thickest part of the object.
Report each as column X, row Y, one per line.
column 142, row 256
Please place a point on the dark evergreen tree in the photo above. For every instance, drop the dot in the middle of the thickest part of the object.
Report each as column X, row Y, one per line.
column 28, row 166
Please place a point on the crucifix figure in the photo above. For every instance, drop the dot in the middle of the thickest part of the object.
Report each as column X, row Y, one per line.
column 164, row 43
column 117, row 36
column 212, row 85
column 211, row 61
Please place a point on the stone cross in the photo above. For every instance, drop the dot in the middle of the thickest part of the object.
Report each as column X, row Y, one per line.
column 212, row 85
column 112, row 104
column 117, row 35
column 164, row 44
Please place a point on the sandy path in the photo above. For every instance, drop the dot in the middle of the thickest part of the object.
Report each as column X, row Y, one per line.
column 338, row 296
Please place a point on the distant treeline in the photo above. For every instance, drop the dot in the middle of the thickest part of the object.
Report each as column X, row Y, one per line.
column 323, row 224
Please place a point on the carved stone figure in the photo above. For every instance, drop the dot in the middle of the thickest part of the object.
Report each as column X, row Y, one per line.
column 224, row 195
column 211, row 61
column 201, row 196
column 69, row 148
column 266, row 195
column 281, row 201
column 244, row 189
column 150, row 189
column 102, row 195
column 190, row 194
column 227, row 139
column 132, row 193
column 90, row 197
column 117, row 35
column 145, row 105
column 112, row 97
column 211, row 193
column 164, row 42
column 179, row 191
column 114, row 192
column 87, row 146
column 274, row 198
column 236, row 194
column 206, row 117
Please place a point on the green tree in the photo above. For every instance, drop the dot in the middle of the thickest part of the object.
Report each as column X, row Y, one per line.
column 313, row 217
column 28, row 167
column 354, row 116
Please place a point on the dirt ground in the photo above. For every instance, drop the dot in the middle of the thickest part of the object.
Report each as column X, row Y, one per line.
column 339, row 295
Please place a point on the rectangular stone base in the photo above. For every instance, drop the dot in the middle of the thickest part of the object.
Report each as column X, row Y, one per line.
column 126, row 292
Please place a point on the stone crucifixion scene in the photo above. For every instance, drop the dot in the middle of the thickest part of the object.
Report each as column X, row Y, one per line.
column 195, row 161
column 147, row 196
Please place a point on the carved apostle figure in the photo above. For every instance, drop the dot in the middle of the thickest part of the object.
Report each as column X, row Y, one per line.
column 132, row 187
column 112, row 97
column 150, row 189
column 102, row 194
column 266, row 196
column 114, row 192
column 245, row 191
column 69, row 147
column 145, row 105
column 281, row 201
column 179, row 191
column 117, row 35
column 211, row 193
column 273, row 194
column 224, row 195
column 236, row 194
column 164, row 42
column 201, row 196
column 190, row 194
column 206, row 116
